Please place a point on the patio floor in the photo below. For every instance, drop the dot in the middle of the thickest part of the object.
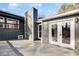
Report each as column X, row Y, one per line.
column 24, row 48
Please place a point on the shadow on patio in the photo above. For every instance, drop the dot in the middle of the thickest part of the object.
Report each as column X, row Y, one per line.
column 14, row 49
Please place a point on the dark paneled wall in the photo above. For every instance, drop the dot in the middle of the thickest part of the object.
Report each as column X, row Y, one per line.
column 10, row 34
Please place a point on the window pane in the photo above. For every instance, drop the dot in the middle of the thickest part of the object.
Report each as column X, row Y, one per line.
column 2, row 19
column 39, row 34
column 54, row 32
column 2, row 25
column 39, row 27
column 13, row 21
column 66, row 33
column 12, row 24
column 40, row 31
column 2, row 22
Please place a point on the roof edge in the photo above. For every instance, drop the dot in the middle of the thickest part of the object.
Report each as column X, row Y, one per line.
column 60, row 15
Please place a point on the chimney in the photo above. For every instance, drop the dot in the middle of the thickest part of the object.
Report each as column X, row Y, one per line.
column 31, row 31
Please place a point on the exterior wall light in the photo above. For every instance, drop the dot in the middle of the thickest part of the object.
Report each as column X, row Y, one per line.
column 76, row 19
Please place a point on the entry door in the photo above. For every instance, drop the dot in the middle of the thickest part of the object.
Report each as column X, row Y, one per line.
column 62, row 34
column 53, row 33
column 66, row 34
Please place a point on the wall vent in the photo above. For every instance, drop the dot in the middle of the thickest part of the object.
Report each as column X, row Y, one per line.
column 20, row 36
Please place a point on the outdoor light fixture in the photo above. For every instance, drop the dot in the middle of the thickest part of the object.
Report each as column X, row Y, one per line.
column 76, row 19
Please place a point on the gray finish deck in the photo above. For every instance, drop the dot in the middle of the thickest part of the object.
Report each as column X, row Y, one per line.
column 24, row 48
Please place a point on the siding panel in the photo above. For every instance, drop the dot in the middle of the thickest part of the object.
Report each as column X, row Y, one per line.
column 45, row 32
column 8, row 34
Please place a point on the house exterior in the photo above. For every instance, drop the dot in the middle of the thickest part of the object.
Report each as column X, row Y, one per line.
column 61, row 30
column 11, row 26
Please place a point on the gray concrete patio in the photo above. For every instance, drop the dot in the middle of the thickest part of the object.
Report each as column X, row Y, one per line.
column 24, row 48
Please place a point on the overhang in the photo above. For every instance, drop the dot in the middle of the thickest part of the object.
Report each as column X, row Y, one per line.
column 8, row 14
column 70, row 13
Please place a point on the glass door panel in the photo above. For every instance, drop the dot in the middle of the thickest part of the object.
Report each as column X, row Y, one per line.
column 62, row 34
column 54, row 32
column 66, row 32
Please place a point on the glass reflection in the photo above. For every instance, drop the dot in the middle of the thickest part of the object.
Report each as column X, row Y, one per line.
column 54, row 32
column 40, row 31
column 66, row 33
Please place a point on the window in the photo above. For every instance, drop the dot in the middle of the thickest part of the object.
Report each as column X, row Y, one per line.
column 39, row 31
column 2, row 22
column 2, row 19
column 12, row 24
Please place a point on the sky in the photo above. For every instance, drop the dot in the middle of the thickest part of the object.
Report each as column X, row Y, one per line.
column 44, row 9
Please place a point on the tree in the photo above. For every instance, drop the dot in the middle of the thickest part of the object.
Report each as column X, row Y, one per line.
column 68, row 7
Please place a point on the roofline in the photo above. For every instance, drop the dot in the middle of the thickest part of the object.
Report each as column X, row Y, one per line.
column 59, row 15
column 11, row 13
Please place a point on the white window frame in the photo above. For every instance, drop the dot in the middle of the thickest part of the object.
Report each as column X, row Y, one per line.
column 72, row 45
column 39, row 31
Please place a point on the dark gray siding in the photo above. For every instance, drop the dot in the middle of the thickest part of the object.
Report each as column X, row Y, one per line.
column 12, row 34
column 35, row 16
column 8, row 34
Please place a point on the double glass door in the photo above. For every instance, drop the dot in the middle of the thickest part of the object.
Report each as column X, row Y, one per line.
column 62, row 33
